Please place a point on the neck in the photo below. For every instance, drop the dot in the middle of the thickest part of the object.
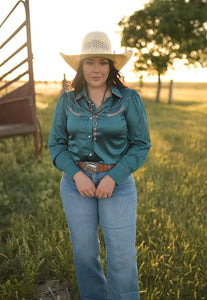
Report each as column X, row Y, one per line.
column 98, row 95
column 95, row 91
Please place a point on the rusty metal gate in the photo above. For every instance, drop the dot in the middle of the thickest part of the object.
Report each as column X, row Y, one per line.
column 17, row 94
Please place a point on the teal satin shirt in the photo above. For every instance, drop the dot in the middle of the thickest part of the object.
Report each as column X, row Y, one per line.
column 122, row 133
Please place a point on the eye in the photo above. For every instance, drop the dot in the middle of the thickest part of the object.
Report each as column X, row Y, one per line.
column 104, row 62
column 88, row 62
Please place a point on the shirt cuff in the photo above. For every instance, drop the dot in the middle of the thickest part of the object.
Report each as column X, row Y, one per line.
column 119, row 174
column 71, row 169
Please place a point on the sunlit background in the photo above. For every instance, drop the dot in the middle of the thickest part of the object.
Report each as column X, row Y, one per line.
column 61, row 25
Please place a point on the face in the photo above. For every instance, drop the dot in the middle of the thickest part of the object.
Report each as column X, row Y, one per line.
column 96, row 71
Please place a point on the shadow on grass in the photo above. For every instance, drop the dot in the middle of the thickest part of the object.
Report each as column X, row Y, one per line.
column 186, row 103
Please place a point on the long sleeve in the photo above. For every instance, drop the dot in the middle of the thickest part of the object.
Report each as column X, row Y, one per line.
column 138, row 138
column 58, row 140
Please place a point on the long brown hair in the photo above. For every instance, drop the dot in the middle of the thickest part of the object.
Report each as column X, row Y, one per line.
column 113, row 79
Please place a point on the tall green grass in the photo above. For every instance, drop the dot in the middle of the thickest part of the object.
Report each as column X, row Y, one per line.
column 171, row 214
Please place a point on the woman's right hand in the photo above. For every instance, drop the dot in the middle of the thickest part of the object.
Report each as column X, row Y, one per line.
column 84, row 184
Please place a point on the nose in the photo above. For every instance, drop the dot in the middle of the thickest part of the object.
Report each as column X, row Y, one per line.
column 96, row 68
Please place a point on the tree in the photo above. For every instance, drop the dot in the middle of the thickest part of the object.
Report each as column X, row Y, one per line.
column 154, row 51
column 162, row 32
column 186, row 24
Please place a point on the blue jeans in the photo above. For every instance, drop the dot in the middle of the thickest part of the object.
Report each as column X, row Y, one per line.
column 117, row 217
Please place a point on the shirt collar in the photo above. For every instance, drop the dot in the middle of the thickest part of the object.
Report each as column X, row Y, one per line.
column 114, row 90
column 82, row 94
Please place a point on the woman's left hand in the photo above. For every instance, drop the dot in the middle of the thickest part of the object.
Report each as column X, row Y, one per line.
column 105, row 187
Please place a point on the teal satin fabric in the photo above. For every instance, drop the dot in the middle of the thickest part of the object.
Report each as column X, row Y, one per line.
column 122, row 133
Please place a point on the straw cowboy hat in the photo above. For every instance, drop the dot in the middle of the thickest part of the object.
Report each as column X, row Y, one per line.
column 97, row 43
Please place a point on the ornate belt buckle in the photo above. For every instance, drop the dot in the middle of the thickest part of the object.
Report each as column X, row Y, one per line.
column 90, row 167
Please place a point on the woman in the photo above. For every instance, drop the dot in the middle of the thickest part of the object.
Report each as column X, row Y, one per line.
column 99, row 137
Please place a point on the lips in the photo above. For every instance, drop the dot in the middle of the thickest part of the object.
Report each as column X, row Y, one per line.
column 96, row 78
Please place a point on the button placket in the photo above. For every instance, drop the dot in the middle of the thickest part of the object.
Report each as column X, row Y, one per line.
column 95, row 113
column 90, row 138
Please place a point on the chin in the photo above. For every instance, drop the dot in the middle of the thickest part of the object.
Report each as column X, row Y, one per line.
column 97, row 83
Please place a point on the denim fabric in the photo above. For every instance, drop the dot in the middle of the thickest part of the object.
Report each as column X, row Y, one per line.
column 117, row 217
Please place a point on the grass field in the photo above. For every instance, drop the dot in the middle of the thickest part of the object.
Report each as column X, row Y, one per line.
column 171, row 217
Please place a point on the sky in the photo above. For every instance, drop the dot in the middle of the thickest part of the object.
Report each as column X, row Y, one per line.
column 60, row 26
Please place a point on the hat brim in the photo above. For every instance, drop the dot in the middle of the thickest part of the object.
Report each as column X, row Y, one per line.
column 119, row 60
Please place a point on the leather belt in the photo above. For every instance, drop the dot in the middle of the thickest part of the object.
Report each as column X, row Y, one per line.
column 91, row 167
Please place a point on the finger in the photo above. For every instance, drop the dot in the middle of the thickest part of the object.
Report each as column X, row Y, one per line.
column 99, row 194
column 91, row 191
column 89, row 194
column 102, row 195
column 108, row 194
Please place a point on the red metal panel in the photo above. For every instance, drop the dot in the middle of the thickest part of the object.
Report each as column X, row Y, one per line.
column 17, row 108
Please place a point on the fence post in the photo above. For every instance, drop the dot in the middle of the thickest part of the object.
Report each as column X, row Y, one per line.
column 170, row 92
column 29, row 47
